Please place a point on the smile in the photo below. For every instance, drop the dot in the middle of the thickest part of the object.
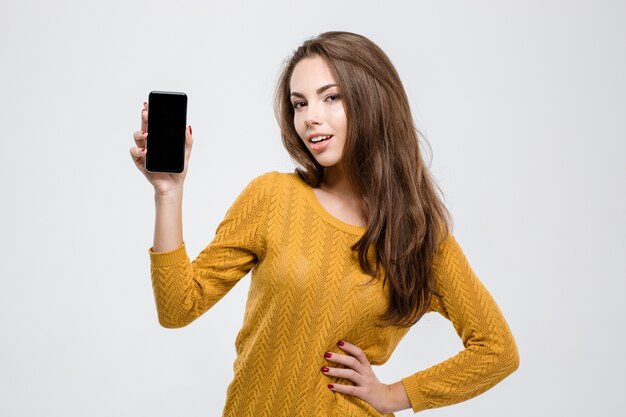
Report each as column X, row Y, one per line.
column 318, row 139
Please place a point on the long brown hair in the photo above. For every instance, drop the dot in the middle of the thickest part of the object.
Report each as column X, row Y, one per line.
column 406, row 218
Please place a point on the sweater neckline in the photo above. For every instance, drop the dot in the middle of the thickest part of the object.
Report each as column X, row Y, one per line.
column 324, row 214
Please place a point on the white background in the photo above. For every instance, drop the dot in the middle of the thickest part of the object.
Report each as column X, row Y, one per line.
column 523, row 104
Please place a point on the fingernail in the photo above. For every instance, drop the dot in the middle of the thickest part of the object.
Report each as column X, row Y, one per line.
column 340, row 343
column 331, row 386
column 190, row 131
column 324, row 369
column 145, row 103
column 328, row 355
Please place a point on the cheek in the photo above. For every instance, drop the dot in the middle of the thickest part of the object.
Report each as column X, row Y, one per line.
column 339, row 119
column 299, row 125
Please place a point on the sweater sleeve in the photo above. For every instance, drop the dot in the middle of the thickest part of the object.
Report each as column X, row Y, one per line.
column 185, row 290
column 490, row 353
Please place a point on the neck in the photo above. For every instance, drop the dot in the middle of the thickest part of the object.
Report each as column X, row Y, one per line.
column 335, row 182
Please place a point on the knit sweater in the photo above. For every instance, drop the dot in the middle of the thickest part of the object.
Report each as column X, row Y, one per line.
column 307, row 291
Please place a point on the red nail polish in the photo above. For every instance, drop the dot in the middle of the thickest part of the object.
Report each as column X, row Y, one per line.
column 190, row 131
column 324, row 369
column 330, row 386
column 328, row 355
column 340, row 343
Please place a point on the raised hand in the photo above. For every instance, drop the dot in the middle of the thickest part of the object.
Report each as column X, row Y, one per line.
column 162, row 182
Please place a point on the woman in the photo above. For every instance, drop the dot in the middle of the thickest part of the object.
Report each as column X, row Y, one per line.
column 347, row 253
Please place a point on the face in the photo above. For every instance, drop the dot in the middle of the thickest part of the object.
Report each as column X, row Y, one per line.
column 318, row 110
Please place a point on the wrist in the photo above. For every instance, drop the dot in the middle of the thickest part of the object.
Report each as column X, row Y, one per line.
column 172, row 195
column 398, row 399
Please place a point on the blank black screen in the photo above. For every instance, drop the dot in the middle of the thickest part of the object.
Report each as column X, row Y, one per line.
column 167, row 113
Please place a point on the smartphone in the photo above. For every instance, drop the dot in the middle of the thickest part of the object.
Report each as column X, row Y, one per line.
column 167, row 123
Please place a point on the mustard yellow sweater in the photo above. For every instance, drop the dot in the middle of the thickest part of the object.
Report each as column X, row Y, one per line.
column 305, row 296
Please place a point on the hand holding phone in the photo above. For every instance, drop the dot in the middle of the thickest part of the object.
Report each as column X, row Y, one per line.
column 162, row 180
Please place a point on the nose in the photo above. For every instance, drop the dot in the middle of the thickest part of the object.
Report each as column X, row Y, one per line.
column 313, row 115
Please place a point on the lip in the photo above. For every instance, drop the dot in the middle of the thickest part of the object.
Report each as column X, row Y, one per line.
column 314, row 135
column 321, row 146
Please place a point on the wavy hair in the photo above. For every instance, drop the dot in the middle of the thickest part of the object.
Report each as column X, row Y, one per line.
column 406, row 218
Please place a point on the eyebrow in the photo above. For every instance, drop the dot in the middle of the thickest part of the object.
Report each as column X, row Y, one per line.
column 318, row 91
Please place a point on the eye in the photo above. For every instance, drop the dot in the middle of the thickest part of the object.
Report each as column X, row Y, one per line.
column 334, row 97
column 296, row 104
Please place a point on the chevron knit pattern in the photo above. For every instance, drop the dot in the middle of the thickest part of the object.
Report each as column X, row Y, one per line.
column 307, row 291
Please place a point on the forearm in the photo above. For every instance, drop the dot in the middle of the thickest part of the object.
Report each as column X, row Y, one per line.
column 168, row 225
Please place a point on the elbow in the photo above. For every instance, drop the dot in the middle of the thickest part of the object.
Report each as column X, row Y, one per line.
column 513, row 363
column 174, row 314
column 509, row 359
column 505, row 355
column 512, row 356
column 170, row 322
column 168, row 325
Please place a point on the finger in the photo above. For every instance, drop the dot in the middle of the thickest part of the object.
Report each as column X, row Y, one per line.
column 344, row 360
column 138, row 154
column 188, row 142
column 347, row 360
column 354, row 351
column 350, row 374
column 346, row 389
column 144, row 117
column 140, row 139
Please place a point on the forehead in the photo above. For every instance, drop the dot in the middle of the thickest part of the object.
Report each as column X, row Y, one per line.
column 309, row 74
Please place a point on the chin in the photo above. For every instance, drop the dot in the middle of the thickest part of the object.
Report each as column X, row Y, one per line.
column 329, row 161
column 328, row 164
